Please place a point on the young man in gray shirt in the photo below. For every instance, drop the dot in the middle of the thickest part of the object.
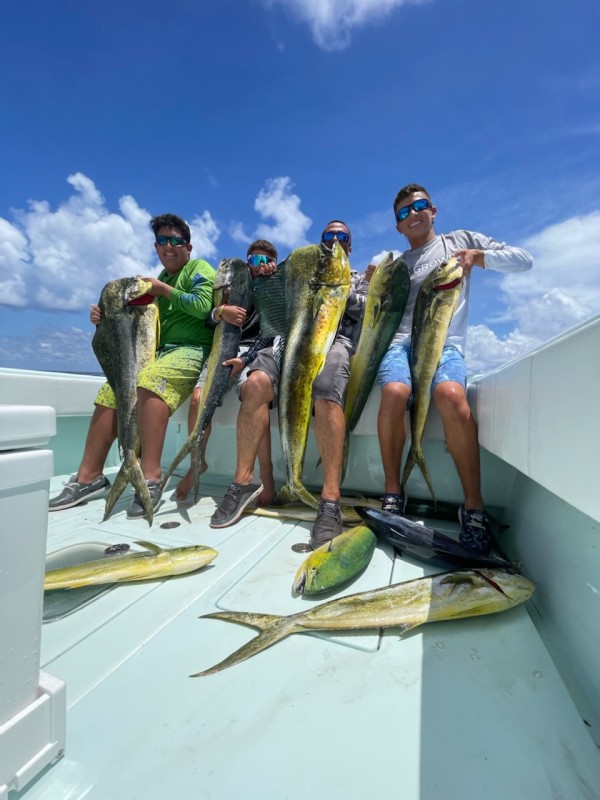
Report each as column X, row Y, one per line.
column 415, row 216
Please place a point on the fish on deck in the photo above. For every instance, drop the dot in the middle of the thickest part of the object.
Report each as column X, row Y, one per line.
column 151, row 563
column 447, row 595
column 124, row 342
column 434, row 308
column 231, row 287
column 336, row 562
column 425, row 544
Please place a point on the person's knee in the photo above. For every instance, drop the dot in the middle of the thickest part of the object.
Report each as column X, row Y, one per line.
column 257, row 389
column 395, row 396
column 451, row 400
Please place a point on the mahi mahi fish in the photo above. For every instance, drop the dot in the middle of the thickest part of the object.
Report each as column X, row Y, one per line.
column 232, row 288
column 447, row 595
column 425, row 544
column 153, row 562
column 317, row 287
column 435, row 306
column 336, row 562
column 386, row 299
column 125, row 341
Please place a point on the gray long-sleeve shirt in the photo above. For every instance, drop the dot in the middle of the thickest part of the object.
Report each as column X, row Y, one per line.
column 421, row 261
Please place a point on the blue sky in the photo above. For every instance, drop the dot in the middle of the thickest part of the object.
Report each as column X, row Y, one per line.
column 271, row 117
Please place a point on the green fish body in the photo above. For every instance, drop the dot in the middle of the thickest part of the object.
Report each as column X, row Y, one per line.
column 435, row 306
column 152, row 563
column 317, row 287
column 336, row 562
column 386, row 300
column 231, row 287
column 125, row 342
column 447, row 595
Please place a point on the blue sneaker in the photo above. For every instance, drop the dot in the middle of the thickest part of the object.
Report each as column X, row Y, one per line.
column 475, row 533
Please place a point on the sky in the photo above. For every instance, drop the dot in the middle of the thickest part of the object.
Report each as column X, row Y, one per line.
column 267, row 119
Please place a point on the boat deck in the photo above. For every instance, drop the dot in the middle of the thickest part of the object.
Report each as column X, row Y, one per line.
column 464, row 709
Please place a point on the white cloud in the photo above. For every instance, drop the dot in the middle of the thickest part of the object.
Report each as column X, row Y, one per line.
column 332, row 21
column 277, row 201
column 382, row 254
column 60, row 259
column 561, row 291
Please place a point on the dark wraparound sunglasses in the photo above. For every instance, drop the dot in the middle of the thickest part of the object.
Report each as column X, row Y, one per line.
column 417, row 205
column 329, row 236
column 174, row 241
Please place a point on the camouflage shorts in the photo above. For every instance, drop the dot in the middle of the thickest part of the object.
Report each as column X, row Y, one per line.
column 172, row 376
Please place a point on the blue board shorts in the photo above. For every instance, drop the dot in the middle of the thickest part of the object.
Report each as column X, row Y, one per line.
column 395, row 367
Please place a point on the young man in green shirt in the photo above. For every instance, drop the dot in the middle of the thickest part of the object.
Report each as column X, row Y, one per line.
column 183, row 292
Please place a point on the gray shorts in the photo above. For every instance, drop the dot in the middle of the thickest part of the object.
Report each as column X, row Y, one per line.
column 330, row 383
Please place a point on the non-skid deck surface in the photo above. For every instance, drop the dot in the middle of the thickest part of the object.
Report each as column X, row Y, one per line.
column 464, row 709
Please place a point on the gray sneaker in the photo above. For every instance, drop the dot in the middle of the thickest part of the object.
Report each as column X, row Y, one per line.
column 76, row 492
column 328, row 523
column 136, row 508
column 235, row 500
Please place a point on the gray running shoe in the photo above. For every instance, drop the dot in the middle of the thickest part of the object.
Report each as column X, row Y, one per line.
column 394, row 503
column 235, row 500
column 76, row 492
column 328, row 523
column 475, row 533
column 136, row 509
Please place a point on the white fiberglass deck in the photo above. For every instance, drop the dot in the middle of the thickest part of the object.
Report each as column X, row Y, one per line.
column 464, row 709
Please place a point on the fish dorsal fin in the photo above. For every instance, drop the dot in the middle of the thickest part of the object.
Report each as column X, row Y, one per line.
column 153, row 548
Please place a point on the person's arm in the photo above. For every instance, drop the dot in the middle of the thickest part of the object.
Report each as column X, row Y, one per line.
column 195, row 296
column 487, row 253
column 258, row 344
column 355, row 305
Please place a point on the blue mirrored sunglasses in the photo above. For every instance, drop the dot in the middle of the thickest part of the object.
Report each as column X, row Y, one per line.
column 341, row 236
column 417, row 205
column 256, row 261
column 174, row 241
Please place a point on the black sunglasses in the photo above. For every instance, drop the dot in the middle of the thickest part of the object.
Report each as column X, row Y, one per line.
column 174, row 241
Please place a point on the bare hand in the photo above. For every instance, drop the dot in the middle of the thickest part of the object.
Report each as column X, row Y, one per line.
column 470, row 259
column 236, row 364
column 95, row 314
column 234, row 315
column 159, row 289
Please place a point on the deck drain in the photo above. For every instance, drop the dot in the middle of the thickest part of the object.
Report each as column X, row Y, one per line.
column 302, row 547
column 117, row 549
column 168, row 525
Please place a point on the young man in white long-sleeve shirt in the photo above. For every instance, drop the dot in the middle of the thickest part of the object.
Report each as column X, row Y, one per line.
column 415, row 216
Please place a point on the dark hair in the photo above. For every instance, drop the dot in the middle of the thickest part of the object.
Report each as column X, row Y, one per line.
column 262, row 244
column 407, row 190
column 171, row 221
column 339, row 222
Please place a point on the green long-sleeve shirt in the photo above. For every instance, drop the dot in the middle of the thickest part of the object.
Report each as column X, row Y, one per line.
column 182, row 315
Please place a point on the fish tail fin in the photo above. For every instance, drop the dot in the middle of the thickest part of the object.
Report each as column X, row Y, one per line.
column 408, row 467
column 138, row 481
column 417, row 456
column 177, row 461
column 124, row 477
column 197, row 457
column 290, row 493
column 272, row 628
